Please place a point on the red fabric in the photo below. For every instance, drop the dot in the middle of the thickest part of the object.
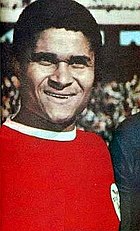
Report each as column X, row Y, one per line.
column 54, row 185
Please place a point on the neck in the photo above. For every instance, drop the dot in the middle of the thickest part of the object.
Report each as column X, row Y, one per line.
column 33, row 120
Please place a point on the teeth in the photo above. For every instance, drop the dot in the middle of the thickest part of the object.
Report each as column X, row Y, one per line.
column 56, row 95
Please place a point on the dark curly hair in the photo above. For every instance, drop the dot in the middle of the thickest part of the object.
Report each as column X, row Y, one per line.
column 44, row 14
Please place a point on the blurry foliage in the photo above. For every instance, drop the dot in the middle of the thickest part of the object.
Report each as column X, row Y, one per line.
column 110, row 104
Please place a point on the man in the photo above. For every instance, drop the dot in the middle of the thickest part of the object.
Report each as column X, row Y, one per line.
column 55, row 178
column 125, row 149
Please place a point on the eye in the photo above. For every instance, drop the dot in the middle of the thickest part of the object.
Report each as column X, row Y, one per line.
column 78, row 65
column 45, row 62
column 78, row 62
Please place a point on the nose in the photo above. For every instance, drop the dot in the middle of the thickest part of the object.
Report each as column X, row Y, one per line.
column 61, row 77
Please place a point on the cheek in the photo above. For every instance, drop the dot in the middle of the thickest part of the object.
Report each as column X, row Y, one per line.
column 34, row 76
column 87, row 82
column 88, row 86
column 87, row 95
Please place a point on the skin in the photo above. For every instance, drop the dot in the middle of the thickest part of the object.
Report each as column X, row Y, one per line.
column 51, row 100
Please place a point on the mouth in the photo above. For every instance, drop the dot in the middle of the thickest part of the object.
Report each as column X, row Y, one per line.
column 59, row 96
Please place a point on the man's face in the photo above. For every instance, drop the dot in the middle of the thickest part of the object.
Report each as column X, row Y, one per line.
column 59, row 76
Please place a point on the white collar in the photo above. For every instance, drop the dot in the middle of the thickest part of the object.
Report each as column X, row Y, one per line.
column 40, row 133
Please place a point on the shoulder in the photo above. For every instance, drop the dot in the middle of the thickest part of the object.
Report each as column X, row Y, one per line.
column 132, row 123
column 125, row 145
column 96, row 153
column 8, row 136
column 128, row 131
column 125, row 152
column 93, row 144
column 90, row 137
column 4, row 130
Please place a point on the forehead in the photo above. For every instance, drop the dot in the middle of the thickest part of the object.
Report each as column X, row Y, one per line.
column 62, row 42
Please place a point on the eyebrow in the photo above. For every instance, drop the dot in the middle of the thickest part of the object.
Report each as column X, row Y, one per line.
column 53, row 57
column 43, row 55
column 82, row 58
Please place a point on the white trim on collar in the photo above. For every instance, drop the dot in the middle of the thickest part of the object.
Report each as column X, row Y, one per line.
column 40, row 133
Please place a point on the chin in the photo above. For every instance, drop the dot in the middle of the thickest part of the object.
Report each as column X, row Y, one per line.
column 63, row 120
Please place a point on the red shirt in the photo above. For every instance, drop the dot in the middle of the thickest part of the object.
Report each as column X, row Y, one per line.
column 55, row 186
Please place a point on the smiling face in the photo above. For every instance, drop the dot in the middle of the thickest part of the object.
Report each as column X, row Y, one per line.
column 59, row 77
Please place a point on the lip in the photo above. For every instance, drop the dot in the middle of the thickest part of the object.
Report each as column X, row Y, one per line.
column 58, row 95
